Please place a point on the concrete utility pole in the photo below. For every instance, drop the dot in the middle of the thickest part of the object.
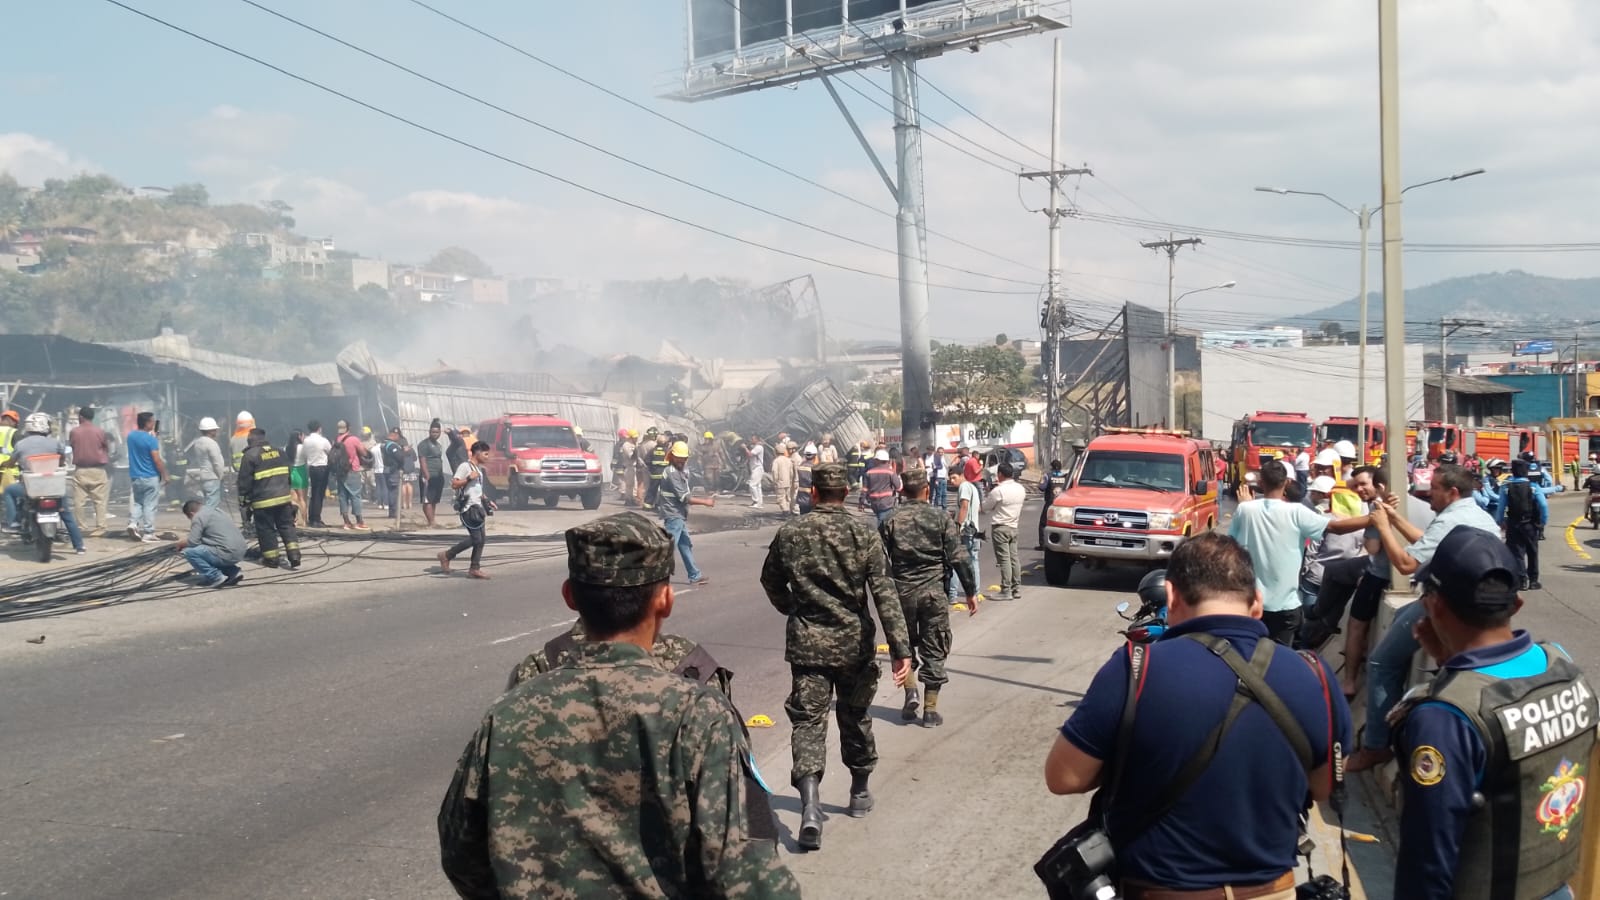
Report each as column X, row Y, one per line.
column 1394, row 297
column 1172, row 245
column 1448, row 327
column 916, row 379
column 1053, row 319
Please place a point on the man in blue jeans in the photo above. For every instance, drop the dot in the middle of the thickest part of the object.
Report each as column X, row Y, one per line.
column 967, row 502
column 36, row 442
column 673, row 499
column 148, row 475
column 214, row 545
column 1409, row 549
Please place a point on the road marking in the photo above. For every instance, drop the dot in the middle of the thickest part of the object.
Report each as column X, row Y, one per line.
column 1572, row 538
column 510, row 638
column 682, row 592
column 507, row 640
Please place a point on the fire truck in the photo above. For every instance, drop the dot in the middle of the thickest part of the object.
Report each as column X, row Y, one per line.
column 1133, row 497
column 1348, row 428
column 1258, row 436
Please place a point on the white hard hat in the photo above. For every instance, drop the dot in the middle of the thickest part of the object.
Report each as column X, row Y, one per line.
column 1345, row 449
column 36, row 423
column 810, row 449
column 1323, row 484
column 244, row 418
column 208, row 424
column 881, row 456
column 1329, row 457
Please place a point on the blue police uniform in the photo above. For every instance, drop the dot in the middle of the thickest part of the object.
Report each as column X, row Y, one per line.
column 1239, row 823
column 1444, row 760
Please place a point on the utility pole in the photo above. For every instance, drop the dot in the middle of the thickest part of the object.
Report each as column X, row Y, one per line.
column 1448, row 327
column 1053, row 319
column 916, row 380
column 1394, row 289
column 1172, row 245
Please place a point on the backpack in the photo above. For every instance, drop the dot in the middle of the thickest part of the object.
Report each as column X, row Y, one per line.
column 1519, row 503
column 338, row 459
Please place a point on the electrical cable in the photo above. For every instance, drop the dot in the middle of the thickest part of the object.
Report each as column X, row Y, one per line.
column 626, row 160
column 477, row 148
column 706, row 136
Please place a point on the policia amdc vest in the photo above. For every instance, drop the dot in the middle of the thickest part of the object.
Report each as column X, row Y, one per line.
column 1522, row 841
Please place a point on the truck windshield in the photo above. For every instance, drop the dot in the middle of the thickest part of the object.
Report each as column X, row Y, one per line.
column 1111, row 468
column 1440, row 435
column 1281, row 434
column 1342, row 431
column 523, row 436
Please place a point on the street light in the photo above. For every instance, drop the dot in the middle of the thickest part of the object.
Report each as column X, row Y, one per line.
column 1364, row 221
column 1172, row 349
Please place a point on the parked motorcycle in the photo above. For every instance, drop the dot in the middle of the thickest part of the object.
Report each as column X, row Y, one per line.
column 1150, row 621
column 44, row 494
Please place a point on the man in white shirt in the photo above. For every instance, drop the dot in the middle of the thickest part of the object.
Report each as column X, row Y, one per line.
column 1004, row 505
column 756, row 454
column 1275, row 532
column 968, row 500
column 316, row 446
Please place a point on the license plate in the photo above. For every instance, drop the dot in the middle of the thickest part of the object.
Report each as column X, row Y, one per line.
column 1102, row 542
column 49, row 518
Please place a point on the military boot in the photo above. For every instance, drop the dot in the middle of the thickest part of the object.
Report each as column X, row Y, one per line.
column 810, row 837
column 930, row 711
column 860, row 797
column 908, row 712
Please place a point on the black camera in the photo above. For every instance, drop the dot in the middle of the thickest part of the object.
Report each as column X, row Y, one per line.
column 1079, row 867
column 1322, row 887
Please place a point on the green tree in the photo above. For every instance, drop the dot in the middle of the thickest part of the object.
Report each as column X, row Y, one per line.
column 189, row 195
column 1000, row 340
column 13, row 204
column 982, row 386
column 459, row 261
column 883, row 402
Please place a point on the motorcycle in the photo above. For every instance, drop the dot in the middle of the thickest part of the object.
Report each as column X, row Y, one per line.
column 44, row 494
column 1594, row 510
column 1150, row 621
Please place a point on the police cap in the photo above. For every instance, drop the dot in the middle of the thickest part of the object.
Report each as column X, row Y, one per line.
column 623, row 550
column 1474, row 571
column 829, row 476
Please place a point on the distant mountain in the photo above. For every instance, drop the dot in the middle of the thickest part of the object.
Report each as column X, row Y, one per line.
column 1497, row 298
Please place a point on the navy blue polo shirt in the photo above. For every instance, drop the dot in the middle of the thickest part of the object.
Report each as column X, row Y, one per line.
column 1239, row 823
column 1441, row 758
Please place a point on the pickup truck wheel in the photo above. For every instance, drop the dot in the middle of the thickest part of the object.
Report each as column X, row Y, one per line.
column 550, row 500
column 519, row 499
column 591, row 498
column 1057, row 569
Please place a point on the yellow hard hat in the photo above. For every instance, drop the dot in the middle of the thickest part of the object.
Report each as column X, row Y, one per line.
column 633, row 433
column 680, row 450
column 710, row 436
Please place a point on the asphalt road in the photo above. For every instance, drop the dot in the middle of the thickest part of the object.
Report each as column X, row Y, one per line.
column 296, row 742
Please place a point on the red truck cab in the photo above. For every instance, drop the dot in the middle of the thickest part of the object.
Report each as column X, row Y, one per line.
column 1135, row 495
column 538, row 456
column 1258, row 436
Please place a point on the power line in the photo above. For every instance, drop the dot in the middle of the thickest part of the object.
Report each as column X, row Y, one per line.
column 602, row 150
column 702, row 134
column 462, row 142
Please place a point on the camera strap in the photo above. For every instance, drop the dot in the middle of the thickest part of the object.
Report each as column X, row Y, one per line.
column 1336, row 795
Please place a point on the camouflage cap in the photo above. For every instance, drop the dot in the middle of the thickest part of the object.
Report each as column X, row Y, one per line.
column 913, row 480
column 829, row 475
column 624, row 550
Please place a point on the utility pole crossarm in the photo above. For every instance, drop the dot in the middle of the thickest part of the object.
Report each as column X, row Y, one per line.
column 1172, row 245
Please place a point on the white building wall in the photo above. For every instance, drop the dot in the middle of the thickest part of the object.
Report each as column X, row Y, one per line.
column 1319, row 381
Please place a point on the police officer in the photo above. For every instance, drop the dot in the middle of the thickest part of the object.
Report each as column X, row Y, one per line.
column 924, row 543
column 1521, row 509
column 264, row 496
column 1229, row 829
column 1493, row 750
column 609, row 775
column 1053, row 483
column 818, row 572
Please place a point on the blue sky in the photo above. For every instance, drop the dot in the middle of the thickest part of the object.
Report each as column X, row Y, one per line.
column 1180, row 108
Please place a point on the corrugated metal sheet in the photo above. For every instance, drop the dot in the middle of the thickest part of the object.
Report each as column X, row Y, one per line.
column 175, row 349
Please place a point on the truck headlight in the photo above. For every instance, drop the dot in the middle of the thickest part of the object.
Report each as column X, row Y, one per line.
column 1060, row 515
column 1160, row 520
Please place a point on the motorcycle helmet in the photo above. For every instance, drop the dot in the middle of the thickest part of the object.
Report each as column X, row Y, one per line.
column 1494, row 464
column 1448, row 458
column 1528, row 456
column 1153, row 589
column 36, row 423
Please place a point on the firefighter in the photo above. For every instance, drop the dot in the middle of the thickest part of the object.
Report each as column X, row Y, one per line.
column 264, row 497
column 856, row 464
column 658, row 467
column 8, row 440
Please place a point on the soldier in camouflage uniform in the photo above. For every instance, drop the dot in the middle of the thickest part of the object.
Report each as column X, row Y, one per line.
column 609, row 776
column 818, row 572
column 923, row 545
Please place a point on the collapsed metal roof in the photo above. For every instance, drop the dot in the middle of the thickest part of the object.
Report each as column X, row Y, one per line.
column 175, row 349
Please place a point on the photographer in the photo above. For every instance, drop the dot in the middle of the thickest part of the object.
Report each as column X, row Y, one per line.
column 474, row 509
column 1216, row 783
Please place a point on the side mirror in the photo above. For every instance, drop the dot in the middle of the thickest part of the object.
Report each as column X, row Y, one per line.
column 1122, row 609
column 1202, row 487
